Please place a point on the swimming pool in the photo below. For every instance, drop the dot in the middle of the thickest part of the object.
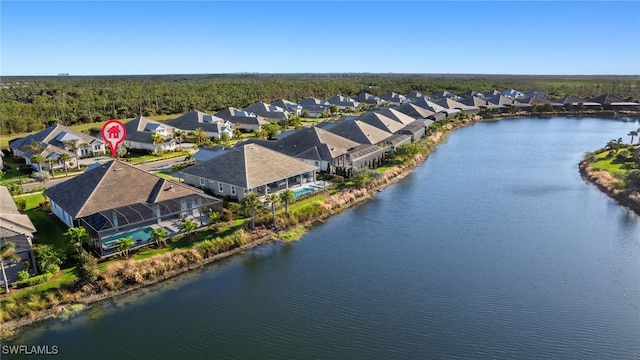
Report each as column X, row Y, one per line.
column 304, row 191
column 141, row 234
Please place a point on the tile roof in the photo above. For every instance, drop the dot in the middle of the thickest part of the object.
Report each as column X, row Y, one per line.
column 249, row 166
column 112, row 185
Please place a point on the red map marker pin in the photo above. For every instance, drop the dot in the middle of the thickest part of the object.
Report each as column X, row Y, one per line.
column 114, row 132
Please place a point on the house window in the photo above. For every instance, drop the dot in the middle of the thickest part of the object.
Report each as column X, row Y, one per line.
column 233, row 190
column 220, row 187
column 317, row 163
column 202, row 181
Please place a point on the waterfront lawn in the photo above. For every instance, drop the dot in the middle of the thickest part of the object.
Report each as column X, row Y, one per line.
column 609, row 163
column 62, row 279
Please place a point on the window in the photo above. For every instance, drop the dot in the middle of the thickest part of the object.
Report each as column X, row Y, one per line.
column 233, row 190
column 220, row 187
column 202, row 181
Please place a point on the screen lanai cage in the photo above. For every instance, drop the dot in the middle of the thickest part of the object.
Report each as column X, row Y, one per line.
column 107, row 226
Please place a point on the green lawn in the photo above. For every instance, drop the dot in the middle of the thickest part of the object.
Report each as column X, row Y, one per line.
column 49, row 230
column 33, row 200
column 608, row 163
column 67, row 276
column 136, row 159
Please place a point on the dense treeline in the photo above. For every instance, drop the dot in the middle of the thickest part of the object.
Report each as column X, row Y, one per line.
column 30, row 103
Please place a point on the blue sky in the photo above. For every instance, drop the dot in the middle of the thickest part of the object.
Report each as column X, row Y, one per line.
column 164, row 37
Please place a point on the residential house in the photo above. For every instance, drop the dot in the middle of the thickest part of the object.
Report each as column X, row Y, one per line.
column 369, row 99
column 359, row 132
column 572, row 102
column 611, row 102
column 207, row 153
column 241, row 119
column 512, row 94
column 249, row 168
column 343, row 102
column 146, row 134
column 414, row 111
column 116, row 200
column 536, row 100
column 269, row 112
column 318, row 147
column 415, row 130
column 471, row 93
column 56, row 140
column 18, row 229
column 395, row 114
column 394, row 99
column 212, row 126
column 451, row 104
column 382, row 122
column 444, row 95
column 314, row 108
column 291, row 107
column 415, row 95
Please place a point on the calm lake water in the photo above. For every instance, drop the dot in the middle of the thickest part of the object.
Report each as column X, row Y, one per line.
column 493, row 248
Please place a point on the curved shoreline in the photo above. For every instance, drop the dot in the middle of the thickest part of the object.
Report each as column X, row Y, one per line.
column 333, row 205
column 628, row 198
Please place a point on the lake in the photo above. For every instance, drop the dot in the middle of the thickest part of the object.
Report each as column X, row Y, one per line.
column 493, row 248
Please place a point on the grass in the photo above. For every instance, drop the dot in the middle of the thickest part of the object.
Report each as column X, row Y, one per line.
column 609, row 163
column 164, row 175
column 49, row 230
column 136, row 159
column 293, row 234
column 67, row 276
column 33, row 200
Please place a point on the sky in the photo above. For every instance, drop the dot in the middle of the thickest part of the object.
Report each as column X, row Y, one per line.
column 212, row 37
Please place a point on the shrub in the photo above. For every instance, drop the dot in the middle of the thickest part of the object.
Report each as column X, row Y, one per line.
column 87, row 267
column 23, row 275
column 15, row 189
column 21, row 203
column 629, row 165
column 34, row 280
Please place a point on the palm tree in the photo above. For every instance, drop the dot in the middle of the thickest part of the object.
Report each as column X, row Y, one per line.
column 7, row 252
column 156, row 139
column 124, row 244
column 273, row 199
column 64, row 157
column 159, row 236
column 73, row 145
column 287, row 196
column 188, row 226
column 632, row 133
column 50, row 161
column 612, row 146
column 200, row 136
column 178, row 135
column 251, row 202
column 214, row 218
column 38, row 159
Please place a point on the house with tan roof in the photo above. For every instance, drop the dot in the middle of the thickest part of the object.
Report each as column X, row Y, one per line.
column 116, row 200
column 55, row 140
column 212, row 126
column 142, row 131
column 18, row 229
column 249, row 168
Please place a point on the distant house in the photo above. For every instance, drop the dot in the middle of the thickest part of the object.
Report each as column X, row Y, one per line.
column 360, row 132
column 415, row 95
column 393, row 98
column 212, row 126
column 291, row 107
column 397, row 115
column 512, row 94
column 117, row 200
column 414, row 111
column 249, row 168
column 500, row 100
column 270, row 112
column 313, row 108
column 611, row 102
column 451, row 104
column 382, row 122
column 444, row 95
column 56, row 140
column 539, row 100
column 369, row 99
column 18, row 229
column 343, row 102
column 241, row 119
column 141, row 133
column 572, row 102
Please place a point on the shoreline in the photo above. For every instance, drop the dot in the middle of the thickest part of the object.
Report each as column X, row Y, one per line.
column 333, row 205
column 628, row 198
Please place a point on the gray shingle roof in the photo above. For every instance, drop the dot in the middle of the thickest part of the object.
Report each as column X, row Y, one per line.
column 414, row 111
column 54, row 135
column 360, row 132
column 112, row 185
column 140, row 129
column 327, row 145
column 197, row 119
column 368, row 99
column 238, row 116
column 268, row 111
column 11, row 221
column 249, row 166
column 382, row 122
column 395, row 114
